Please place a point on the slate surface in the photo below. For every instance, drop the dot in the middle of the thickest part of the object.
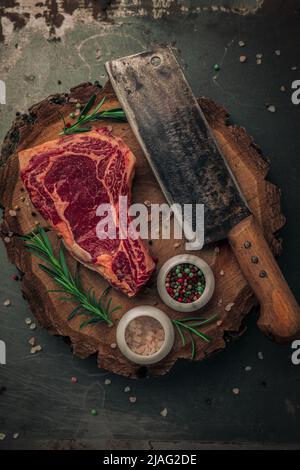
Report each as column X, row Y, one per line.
column 38, row 400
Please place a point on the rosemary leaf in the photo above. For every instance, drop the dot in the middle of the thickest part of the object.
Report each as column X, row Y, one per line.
column 193, row 346
column 81, row 125
column 189, row 325
column 88, row 106
column 180, row 334
column 63, row 263
column 74, row 312
column 99, row 105
column 45, row 240
column 49, row 271
column 86, row 304
column 115, row 309
column 88, row 322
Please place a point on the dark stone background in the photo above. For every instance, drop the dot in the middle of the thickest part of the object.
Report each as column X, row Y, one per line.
column 46, row 49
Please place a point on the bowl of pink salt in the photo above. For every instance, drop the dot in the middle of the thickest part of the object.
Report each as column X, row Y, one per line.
column 145, row 335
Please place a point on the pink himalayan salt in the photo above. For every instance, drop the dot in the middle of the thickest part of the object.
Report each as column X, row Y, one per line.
column 144, row 335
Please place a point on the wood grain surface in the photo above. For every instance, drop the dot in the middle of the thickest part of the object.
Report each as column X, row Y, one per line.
column 233, row 298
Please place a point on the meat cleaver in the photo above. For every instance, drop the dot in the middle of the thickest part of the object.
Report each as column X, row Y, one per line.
column 190, row 168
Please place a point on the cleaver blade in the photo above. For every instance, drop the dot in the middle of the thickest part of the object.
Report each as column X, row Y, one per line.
column 191, row 169
column 173, row 132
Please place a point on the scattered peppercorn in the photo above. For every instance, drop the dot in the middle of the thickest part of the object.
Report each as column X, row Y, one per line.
column 185, row 283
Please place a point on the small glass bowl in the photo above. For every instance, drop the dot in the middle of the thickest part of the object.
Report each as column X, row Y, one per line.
column 156, row 314
column 208, row 289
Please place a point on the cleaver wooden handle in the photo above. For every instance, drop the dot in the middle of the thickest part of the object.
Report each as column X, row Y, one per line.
column 279, row 311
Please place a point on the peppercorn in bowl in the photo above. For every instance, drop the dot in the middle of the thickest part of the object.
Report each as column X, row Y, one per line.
column 185, row 283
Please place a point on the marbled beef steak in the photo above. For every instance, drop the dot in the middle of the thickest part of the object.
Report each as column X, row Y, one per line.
column 67, row 179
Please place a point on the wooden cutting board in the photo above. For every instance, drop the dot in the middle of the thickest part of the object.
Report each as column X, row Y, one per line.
column 232, row 299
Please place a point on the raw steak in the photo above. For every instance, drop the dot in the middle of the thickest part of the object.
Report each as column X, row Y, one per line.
column 67, row 179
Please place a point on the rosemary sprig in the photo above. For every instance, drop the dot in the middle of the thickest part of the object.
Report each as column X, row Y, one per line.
column 84, row 118
column 188, row 326
column 86, row 303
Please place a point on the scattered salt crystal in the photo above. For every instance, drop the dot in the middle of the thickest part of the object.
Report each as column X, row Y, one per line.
column 12, row 213
column 243, row 59
column 258, row 61
column 127, row 389
column 229, row 306
column 176, row 245
column 294, row 68
column 15, row 435
column 132, row 399
column 35, row 349
column 220, row 301
column 7, row 240
column 236, row 391
column 7, row 303
column 32, row 326
column 259, row 56
column 277, row 52
column 271, row 108
column 248, row 368
column 260, row 355
column 32, row 341
column 221, row 272
column 164, row 412
column 107, row 382
column 28, row 321
column 113, row 345
column 2, row 436
column 241, row 44
column 219, row 322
